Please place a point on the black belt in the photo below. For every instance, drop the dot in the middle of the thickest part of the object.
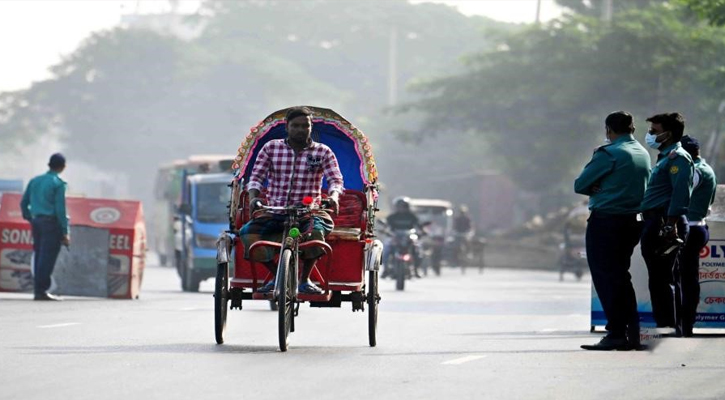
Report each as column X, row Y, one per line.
column 654, row 213
column 603, row 214
column 45, row 217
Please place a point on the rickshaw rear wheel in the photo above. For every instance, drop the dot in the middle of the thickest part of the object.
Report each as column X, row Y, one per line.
column 373, row 299
column 285, row 301
column 221, row 297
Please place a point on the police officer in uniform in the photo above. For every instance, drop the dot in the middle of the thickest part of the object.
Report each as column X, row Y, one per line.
column 687, row 277
column 43, row 204
column 665, row 207
column 615, row 180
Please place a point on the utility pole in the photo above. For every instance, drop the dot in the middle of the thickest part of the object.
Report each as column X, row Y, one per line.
column 393, row 67
column 538, row 12
column 607, row 10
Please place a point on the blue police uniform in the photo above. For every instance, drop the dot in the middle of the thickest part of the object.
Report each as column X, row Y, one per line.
column 668, row 195
column 615, row 181
column 43, row 204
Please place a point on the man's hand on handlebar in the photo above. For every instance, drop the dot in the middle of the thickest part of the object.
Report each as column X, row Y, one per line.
column 254, row 205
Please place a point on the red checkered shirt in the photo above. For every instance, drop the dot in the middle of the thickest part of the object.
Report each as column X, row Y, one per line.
column 290, row 176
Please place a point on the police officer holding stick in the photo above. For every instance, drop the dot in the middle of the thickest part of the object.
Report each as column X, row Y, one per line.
column 687, row 276
column 665, row 206
column 615, row 180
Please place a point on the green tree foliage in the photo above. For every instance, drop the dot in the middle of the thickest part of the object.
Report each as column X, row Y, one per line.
column 595, row 8
column 128, row 99
column 539, row 101
column 711, row 10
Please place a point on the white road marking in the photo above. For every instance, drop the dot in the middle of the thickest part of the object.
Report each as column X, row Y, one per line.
column 462, row 360
column 59, row 325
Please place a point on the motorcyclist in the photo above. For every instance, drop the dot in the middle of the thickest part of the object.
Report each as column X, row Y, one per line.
column 463, row 230
column 402, row 219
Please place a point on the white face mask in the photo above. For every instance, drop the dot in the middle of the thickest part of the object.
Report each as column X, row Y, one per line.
column 651, row 141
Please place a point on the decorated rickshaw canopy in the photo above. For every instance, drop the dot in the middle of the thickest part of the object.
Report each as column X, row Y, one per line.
column 350, row 145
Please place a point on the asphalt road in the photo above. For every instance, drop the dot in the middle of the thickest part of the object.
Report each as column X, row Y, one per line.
column 504, row 334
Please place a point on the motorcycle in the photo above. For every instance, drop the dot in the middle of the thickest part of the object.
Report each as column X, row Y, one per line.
column 572, row 256
column 400, row 253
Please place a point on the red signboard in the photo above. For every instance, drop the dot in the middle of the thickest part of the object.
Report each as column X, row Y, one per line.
column 127, row 245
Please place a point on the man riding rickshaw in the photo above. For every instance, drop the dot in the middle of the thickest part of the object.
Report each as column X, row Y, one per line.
column 302, row 219
column 294, row 168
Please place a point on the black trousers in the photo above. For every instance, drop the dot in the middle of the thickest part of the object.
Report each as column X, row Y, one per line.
column 687, row 278
column 610, row 241
column 660, row 268
column 47, row 236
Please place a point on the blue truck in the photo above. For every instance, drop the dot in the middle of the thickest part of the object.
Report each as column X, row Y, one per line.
column 202, row 215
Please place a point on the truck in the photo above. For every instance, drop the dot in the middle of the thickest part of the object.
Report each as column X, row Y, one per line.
column 167, row 196
column 202, row 216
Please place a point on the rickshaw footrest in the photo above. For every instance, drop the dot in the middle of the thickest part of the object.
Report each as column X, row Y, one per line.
column 314, row 297
column 332, row 299
column 262, row 296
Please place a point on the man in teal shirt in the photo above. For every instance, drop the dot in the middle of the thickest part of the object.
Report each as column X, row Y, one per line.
column 665, row 206
column 687, row 276
column 43, row 204
column 615, row 181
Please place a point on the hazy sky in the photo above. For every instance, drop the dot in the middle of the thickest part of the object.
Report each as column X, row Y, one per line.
column 35, row 34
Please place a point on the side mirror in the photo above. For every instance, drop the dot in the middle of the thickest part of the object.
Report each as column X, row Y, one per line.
column 185, row 209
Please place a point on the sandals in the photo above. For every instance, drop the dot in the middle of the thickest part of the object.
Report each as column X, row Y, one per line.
column 309, row 288
column 267, row 288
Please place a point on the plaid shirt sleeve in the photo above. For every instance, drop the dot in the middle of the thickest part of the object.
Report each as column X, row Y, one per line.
column 260, row 169
column 332, row 172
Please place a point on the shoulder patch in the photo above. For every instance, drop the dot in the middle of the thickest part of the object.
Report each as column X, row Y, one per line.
column 674, row 169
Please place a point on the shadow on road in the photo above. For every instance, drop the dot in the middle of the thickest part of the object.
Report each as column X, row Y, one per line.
column 181, row 348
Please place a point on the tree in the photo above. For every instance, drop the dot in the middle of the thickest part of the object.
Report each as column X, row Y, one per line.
column 711, row 10
column 539, row 101
column 128, row 100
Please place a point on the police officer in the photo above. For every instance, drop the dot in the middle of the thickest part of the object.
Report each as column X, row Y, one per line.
column 687, row 277
column 665, row 206
column 43, row 204
column 615, row 180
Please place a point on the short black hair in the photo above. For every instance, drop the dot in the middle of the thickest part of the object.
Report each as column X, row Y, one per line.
column 671, row 122
column 620, row 122
column 56, row 161
column 295, row 112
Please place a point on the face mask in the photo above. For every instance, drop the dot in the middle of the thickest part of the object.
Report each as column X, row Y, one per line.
column 607, row 141
column 651, row 141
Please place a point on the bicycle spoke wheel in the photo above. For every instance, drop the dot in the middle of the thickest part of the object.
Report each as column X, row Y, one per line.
column 373, row 299
column 221, row 297
column 285, row 301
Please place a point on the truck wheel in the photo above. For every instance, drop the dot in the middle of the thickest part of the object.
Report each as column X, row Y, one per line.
column 190, row 281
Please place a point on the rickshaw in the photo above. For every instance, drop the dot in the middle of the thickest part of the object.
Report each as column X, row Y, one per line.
column 352, row 253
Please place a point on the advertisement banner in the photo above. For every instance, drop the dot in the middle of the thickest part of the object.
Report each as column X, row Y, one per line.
column 126, row 244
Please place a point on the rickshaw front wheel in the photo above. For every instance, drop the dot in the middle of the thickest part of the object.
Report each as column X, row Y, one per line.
column 221, row 297
column 285, row 301
column 373, row 299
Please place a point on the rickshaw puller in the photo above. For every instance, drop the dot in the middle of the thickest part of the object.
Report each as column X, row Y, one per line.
column 294, row 168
